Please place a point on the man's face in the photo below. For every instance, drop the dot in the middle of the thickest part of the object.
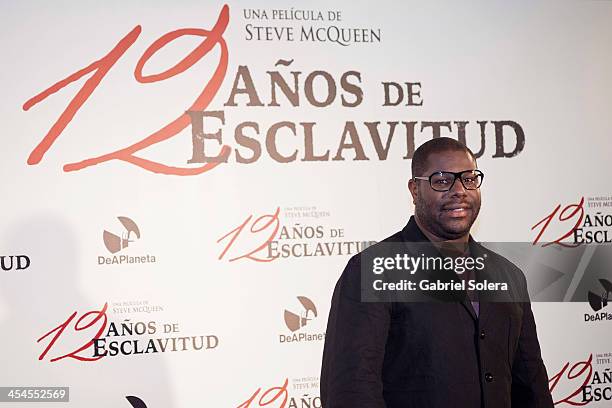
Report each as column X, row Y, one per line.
column 449, row 214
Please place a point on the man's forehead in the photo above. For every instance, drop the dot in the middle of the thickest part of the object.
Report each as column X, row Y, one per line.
column 450, row 160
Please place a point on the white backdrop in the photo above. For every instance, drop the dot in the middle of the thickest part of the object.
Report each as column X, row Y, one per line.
column 541, row 67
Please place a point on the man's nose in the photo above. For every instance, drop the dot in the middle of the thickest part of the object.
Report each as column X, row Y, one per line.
column 457, row 188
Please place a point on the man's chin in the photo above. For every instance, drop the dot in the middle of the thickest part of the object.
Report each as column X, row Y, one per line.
column 456, row 229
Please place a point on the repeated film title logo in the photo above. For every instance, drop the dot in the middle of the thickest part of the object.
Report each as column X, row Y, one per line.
column 91, row 336
column 264, row 239
column 584, row 222
column 289, row 87
column 590, row 224
column 302, row 393
column 583, row 382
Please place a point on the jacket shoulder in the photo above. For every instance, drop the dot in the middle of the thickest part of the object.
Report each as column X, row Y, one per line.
column 378, row 247
column 352, row 270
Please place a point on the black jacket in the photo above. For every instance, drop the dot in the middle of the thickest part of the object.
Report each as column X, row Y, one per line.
column 431, row 354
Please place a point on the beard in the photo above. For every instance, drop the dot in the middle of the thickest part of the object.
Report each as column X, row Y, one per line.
column 442, row 223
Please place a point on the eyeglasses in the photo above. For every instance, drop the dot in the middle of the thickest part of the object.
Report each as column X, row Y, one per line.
column 444, row 180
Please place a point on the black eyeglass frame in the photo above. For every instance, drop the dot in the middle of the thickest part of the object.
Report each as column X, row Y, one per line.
column 456, row 175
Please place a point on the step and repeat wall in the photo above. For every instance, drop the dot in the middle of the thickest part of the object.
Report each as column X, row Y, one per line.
column 183, row 183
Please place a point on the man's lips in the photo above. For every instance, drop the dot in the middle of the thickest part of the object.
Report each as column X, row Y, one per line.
column 457, row 210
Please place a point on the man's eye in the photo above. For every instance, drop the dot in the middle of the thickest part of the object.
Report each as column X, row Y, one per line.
column 441, row 182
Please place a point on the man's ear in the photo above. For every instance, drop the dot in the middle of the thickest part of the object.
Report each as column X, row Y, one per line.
column 412, row 186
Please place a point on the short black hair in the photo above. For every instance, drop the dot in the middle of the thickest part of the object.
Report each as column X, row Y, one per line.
column 437, row 145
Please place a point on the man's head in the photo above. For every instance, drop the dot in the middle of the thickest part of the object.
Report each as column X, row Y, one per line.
column 444, row 215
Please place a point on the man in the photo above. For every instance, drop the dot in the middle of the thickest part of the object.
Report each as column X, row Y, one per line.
column 465, row 353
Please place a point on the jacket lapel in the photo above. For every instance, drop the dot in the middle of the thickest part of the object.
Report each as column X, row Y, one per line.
column 412, row 233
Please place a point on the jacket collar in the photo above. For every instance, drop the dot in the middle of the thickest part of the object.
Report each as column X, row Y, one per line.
column 412, row 233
